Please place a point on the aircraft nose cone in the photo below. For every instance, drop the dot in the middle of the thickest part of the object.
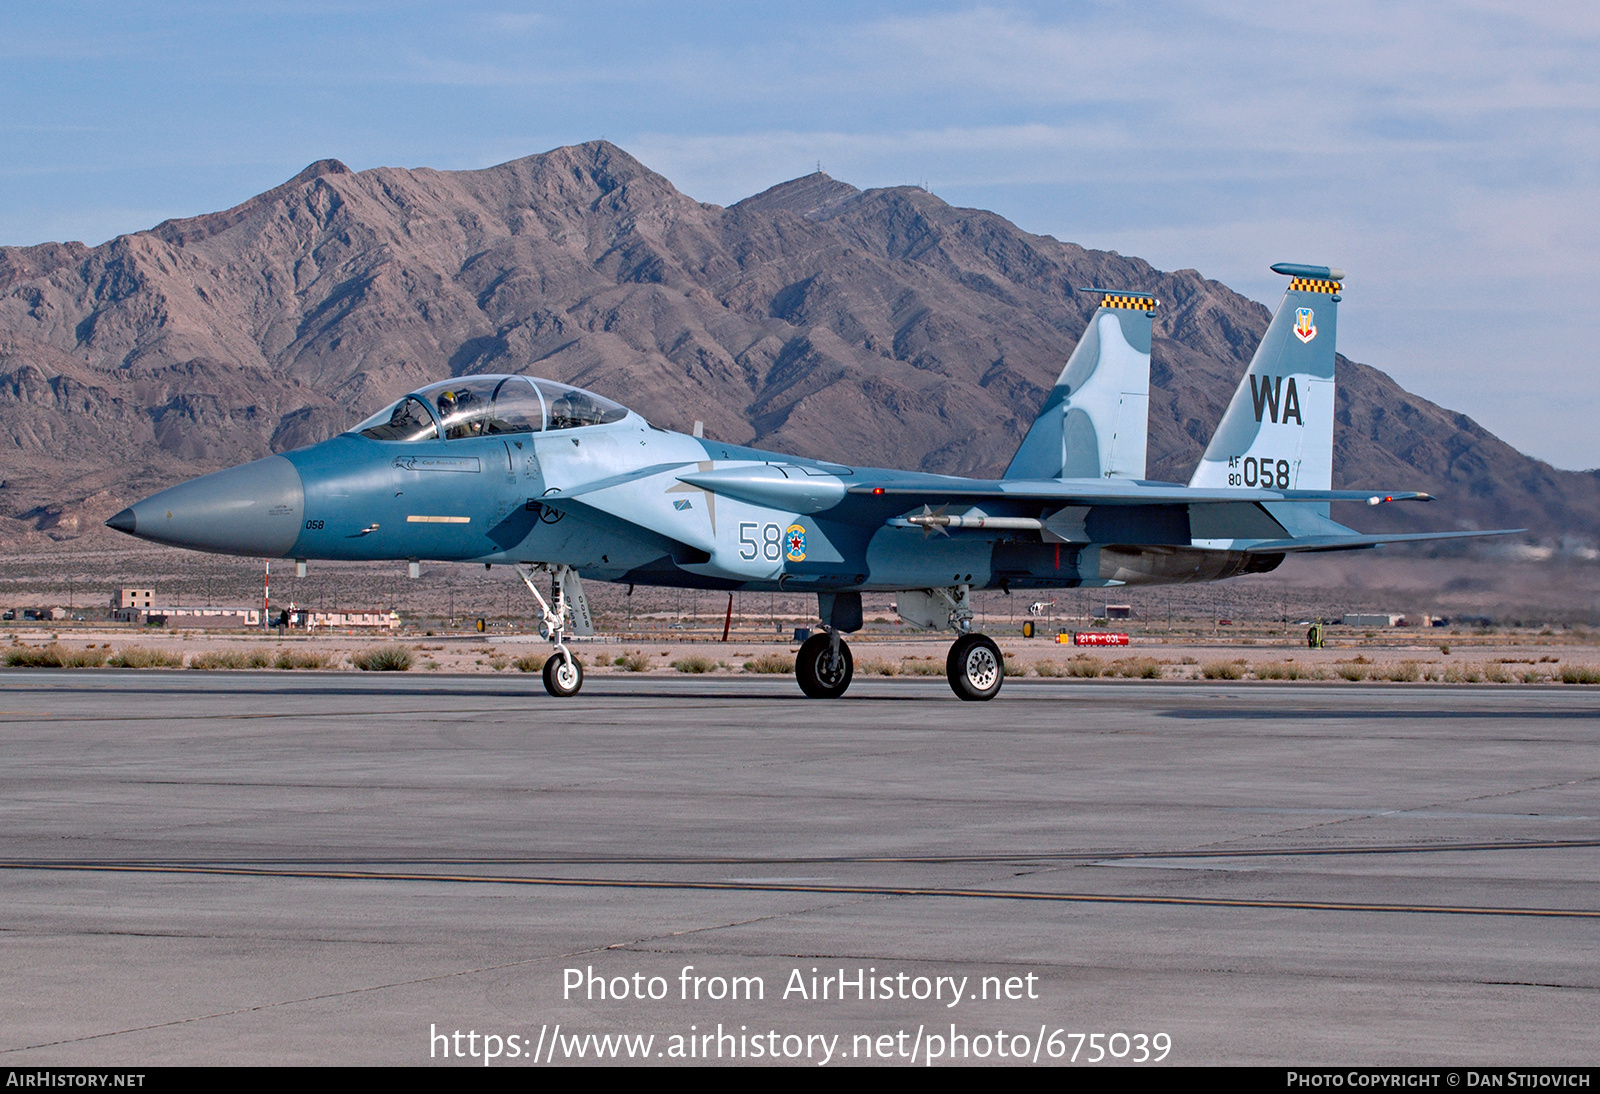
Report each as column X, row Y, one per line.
column 253, row 509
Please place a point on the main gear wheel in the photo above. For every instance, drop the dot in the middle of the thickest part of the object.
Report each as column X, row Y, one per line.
column 821, row 673
column 975, row 667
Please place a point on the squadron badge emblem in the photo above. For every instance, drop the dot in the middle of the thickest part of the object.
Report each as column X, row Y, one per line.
column 795, row 543
column 1304, row 328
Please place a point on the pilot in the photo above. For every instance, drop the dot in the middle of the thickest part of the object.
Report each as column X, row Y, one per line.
column 454, row 407
column 571, row 411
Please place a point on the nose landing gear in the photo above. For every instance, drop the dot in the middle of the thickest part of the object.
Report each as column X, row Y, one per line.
column 563, row 675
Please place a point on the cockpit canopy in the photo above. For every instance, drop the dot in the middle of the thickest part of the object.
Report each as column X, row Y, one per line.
column 477, row 406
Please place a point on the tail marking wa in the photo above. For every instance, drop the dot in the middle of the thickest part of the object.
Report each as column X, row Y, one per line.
column 1265, row 398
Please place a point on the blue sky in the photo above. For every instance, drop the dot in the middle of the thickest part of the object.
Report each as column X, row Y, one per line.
column 1447, row 155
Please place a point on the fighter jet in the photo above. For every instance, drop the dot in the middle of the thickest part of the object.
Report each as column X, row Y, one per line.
column 557, row 482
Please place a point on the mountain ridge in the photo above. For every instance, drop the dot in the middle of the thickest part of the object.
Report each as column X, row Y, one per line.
column 878, row 326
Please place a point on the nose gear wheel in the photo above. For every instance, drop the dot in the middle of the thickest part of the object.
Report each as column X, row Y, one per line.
column 563, row 676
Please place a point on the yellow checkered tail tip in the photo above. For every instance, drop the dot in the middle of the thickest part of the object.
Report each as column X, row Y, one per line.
column 1312, row 284
column 1129, row 303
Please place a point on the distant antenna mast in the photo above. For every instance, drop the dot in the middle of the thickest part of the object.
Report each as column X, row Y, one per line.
column 819, row 167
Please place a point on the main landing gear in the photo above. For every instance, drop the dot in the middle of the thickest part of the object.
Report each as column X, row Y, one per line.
column 563, row 674
column 975, row 667
column 824, row 666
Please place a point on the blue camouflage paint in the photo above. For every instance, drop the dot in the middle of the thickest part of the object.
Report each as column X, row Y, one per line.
column 527, row 471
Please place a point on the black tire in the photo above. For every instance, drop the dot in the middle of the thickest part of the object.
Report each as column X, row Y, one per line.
column 975, row 668
column 561, row 681
column 819, row 676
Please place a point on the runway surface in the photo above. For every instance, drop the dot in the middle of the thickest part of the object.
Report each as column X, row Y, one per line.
column 270, row 868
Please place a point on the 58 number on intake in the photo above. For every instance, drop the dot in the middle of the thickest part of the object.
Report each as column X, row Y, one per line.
column 770, row 547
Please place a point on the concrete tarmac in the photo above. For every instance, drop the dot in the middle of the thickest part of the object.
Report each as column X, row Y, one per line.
column 327, row 868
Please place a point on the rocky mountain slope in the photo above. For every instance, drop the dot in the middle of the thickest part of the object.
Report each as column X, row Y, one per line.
column 881, row 327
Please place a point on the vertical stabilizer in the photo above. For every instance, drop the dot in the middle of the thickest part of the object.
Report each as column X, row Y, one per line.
column 1096, row 421
column 1277, row 433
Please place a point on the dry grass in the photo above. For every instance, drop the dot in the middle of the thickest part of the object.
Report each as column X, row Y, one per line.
column 1286, row 670
column 55, row 656
column 383, row 659
column 639, row 661
column 770, row 664
column 302, row 659
column 1049, row 668
column 230, row 659
column 877, row 666
column 1222, row 670
column 1144, row 668
column 1580, row 674
column 142, row 657
column 695, row 663
column 922, row 666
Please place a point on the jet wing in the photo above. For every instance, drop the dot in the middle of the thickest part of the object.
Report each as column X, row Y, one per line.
column 1358, row 542
column 1107, row 492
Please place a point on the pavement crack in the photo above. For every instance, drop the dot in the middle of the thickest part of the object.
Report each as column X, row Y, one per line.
column 823, row 907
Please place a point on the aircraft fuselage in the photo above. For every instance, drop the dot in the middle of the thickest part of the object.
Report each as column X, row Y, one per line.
column 610, row 500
